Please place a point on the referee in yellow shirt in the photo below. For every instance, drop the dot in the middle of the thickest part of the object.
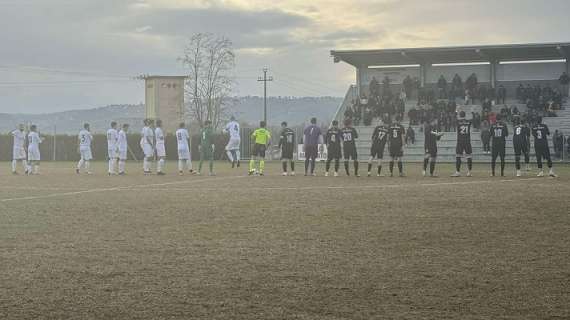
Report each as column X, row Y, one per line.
column 262, row 138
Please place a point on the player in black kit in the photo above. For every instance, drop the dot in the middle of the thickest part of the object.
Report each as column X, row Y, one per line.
column 349, row 136
column 463, row 145
column 521, row 135
column 431, row 135
column 287, row 145
column 396, row 139
column 332, row 140
column 499, row 132
column 379, row 138
column 540, row 132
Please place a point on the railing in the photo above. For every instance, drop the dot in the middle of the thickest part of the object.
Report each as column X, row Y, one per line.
column 351, row 94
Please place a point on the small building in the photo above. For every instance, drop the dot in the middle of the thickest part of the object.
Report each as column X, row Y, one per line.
column 164, row 99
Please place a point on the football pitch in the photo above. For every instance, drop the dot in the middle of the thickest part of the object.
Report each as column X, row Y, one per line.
column 238, row 247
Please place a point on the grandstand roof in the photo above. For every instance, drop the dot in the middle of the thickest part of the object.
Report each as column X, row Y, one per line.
column 486, row 53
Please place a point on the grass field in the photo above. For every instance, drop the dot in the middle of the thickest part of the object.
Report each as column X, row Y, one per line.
column 238, row 247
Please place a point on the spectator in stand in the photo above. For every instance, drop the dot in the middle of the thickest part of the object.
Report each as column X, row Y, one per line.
column 501, row 94
column 558, row 141
column 374, row 88
column 417, row 85
column 386, row 87
column 368, row 115
column 482, row 93
column 486, row 106
column 520, row 93
column 442, row 87
column 349, row 112
column 486, row 136
column 471, row 82
column 412, row 115
column 408, row 85
column 403, row 96
column 468, row 97
column 410, row 135
column 456, row 87
column 564, row 81
column 492, row 118
column 476, row 120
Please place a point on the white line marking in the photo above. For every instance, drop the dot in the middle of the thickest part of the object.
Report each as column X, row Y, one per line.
column 125, row 188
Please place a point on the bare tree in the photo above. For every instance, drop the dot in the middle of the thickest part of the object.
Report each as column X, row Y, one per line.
column 210, row 61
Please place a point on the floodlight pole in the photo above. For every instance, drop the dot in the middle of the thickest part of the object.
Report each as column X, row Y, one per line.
column 265, row 79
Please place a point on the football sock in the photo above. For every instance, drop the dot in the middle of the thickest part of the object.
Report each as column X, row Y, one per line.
column 238, row 155
column 527, row 158
column 469, row 164
column 111, row 169
column 400, row 166
column 180, row 165
column 211, row 164
column 251, row 165
column 80, row 164
column 432, row 167
column 539, row 162
column 189, row 164
column 87, row 165
column 458, row 164
column 502, row 166
column 284, row 165
column 14, row 163
column 392, row 167
column 292, row 165
column 426, row 160
column 230, row 156
column 313, row 165
column 493, row 164
column 36, row 169
column 25, row 164
column 355, row 167
column 518, row 162
column 328, row 165
column 369, row 166
column 379, row 169
column 145, row 165
column 121, row 166
column 336, row 165
column 160, row 165
column 346, row 168
column 261, row 165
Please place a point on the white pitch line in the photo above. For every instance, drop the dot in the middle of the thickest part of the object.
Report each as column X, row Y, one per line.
column 124, row 188
column 385, row 186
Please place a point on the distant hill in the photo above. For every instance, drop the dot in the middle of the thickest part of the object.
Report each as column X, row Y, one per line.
column 248, row 110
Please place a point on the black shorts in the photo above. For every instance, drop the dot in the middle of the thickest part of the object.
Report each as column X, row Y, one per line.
column 259, row 150
column 377, row 150
column 463, row 147
column 431, row 150
column 396, row 150
column 542, row 150
column 287, row 152
column 333, row 152
column 311, row 152
column 498, row 149
column 350, row 152
column 520, row 148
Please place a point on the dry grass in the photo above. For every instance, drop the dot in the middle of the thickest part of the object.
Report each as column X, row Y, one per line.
column 237, row 247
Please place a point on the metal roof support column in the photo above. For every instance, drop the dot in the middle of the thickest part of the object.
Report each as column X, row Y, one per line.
column 423, row 74
column 493, row 74
column 358, row 80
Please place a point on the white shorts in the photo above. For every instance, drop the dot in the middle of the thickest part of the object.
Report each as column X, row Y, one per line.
column 148, row 150
column 86, row 154
column 19, row 153
column 112, row 153
column 122, row 154
column 183, row 154
column 34, row 154
column 160, row 150
column 233, row 144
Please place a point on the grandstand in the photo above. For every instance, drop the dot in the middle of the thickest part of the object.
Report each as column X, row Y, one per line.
column 494, row 67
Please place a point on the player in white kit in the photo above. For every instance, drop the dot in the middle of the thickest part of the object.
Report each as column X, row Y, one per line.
column 123, row 147
column 34, row 141
column 112, row 144
column 85, row 139
column 160, row 148
column 147, row 145
column 19, row 151
column 232, row 149
column 184, row 159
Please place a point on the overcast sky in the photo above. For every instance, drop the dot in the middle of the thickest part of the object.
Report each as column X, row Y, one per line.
column 70, row 54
